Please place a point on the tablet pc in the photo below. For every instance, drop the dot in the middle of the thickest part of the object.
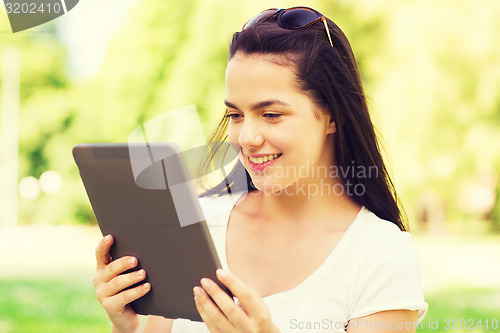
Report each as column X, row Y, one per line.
column 136, row 205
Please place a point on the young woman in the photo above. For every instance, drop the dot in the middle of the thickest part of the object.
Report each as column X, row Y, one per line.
column 319, row 241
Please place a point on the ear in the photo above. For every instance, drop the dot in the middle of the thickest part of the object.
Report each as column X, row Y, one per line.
column 331, row 128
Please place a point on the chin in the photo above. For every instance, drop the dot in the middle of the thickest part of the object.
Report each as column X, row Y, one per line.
column 269, row 187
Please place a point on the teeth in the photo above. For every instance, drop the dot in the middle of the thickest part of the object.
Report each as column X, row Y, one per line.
column 260, row 160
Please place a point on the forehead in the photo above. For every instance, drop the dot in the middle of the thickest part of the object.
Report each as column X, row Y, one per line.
column 259, row 75
column 268, row 62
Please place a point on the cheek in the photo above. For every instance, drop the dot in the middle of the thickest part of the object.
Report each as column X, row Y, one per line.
column 233, row 133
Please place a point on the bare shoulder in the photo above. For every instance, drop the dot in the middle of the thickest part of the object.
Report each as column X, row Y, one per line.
column 249, row 202
column 158, row 324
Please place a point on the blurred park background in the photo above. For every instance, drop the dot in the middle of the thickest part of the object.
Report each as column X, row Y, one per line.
column 431, row 70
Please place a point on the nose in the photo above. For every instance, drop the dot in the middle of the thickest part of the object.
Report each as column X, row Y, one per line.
column 250, row 134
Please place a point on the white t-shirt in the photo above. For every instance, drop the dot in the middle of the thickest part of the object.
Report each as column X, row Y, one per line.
column 374, row 267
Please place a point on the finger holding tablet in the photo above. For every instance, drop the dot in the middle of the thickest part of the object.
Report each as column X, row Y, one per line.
column 111, row 286
column 221, row 314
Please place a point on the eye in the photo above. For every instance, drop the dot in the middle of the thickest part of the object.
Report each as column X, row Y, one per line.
column 233, row 116
column 272, row 116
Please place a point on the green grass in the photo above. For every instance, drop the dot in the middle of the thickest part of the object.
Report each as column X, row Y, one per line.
column 69, row 305
column 50, row 306
column 455, row 307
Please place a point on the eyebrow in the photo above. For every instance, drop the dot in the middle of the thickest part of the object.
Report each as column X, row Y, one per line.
column 258, row 105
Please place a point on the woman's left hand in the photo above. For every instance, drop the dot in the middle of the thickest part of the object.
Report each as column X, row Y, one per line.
column 225, row 315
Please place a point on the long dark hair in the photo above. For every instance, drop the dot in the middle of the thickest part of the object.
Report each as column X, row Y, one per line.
column 331, row 78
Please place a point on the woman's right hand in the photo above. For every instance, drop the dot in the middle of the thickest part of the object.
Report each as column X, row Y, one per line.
column 109, row 284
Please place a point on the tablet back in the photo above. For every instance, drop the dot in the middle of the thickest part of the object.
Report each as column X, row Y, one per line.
column 145, row 224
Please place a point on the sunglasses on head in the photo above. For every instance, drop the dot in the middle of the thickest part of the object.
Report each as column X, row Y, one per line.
column 295, row 18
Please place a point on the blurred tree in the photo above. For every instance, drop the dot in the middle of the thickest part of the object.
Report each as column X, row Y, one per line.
column 435, row 88
column 44, row 111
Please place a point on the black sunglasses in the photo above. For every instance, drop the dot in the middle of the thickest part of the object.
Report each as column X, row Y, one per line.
column 294, row 18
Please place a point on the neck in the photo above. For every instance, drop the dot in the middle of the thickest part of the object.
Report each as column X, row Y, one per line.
column 308, row 201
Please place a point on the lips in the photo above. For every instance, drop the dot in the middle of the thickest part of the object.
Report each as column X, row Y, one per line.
column 262, row 161
column 263, row 158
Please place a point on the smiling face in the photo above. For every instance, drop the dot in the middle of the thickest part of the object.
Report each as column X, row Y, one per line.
column 275, row 124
